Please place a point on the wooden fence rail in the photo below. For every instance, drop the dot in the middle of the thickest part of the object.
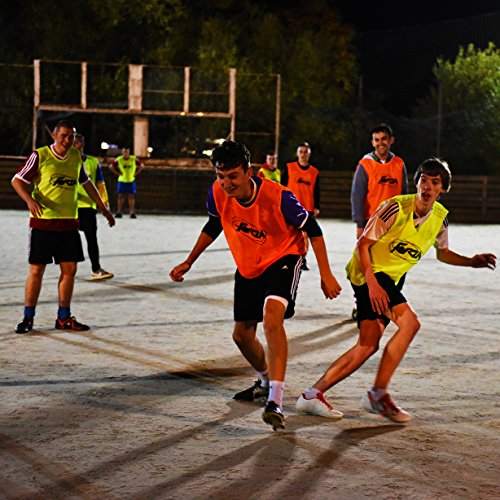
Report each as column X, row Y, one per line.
column 163, row 189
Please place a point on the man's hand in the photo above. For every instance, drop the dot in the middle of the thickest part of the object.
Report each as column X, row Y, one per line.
column 109, row 217
column 178, row 272
column 488, row 260
column 330, row 286
column 378, row 298
column 34, row 207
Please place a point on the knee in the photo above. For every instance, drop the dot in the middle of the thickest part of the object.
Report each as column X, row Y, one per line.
column 366, row 351
column 242, row 334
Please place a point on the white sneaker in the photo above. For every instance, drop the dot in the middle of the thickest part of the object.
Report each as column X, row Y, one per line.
column 385, row 407
column 317, row 406
column 101, row 274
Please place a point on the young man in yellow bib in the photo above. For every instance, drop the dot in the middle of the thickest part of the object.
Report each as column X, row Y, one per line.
column 264, row 225
column 396, row 237
column 55, row 171
column 126, row 167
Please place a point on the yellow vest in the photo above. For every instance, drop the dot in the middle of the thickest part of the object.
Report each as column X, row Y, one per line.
column 84, row 201
column 56, row 184
column 272, row 175
column 398, row 250
column 127, row 169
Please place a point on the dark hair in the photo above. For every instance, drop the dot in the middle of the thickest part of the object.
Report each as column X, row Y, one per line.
column 80, row 136
column 435, row 166
column 382, row 127
column 304, row 145
column 65, row 124
column 229, row 155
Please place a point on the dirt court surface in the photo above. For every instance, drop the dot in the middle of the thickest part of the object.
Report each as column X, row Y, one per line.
column 141, row 407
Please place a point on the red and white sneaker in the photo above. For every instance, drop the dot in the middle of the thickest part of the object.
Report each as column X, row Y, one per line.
column 386, row 407
column 317, row 406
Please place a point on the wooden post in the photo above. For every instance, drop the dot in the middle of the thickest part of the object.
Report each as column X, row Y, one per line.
column 187, row 78
column 36, row 100
column 83, row 87
column 135, row 87
column 232, row 101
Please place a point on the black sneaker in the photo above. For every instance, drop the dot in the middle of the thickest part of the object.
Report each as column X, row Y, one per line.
column 25, row 326
column 133, row 216
column 252, row 393
column 304, row 265
column 118, row 215
column 71, row 324
column 273, row 415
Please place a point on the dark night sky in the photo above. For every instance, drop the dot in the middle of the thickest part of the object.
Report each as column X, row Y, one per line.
column 398, row 43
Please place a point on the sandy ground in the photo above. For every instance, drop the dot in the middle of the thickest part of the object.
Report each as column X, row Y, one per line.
column 141, row 406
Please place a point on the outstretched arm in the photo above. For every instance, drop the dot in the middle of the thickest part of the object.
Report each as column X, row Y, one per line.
column 448, row 256
column 203, row 242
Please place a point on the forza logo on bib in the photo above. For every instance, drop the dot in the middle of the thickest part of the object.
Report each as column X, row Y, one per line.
column 406, row 250
column 249, row 230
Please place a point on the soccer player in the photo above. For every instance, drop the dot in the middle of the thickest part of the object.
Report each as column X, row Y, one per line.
column 269, row 169
column 380, row 175
column 396, row 237
column 264, row 226
column 87, row 208
column 126, row 167
column 302, row 179
column 55, row 172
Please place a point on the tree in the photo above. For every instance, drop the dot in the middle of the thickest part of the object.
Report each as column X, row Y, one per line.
column 468, row 94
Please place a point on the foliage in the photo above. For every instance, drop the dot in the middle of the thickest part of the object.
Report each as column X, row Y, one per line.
column 470, row 89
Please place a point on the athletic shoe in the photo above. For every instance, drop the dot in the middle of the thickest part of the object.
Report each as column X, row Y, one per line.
column 25, row 326
column 385, row 407
column 101, row 274
column 317, row 406
column 133, row 216
column 118, row 215
column 273, row 415
column 252, row 393
column 71, row 324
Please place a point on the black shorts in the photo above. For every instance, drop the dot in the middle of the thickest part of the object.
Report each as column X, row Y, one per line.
column 280, row 279
column 55, row 246
column 363, row 303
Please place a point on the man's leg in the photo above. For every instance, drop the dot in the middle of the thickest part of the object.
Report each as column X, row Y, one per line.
column 370, row 333
column 88, row 224
column 377, row 400
column 244, row 336
column 66, row 283
column 121, row 202
column 131, row 203
column 33, row 284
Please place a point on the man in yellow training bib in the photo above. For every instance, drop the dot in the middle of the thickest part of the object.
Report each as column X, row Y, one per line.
column 396, row 237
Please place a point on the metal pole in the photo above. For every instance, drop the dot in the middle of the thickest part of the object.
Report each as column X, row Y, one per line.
column 278, row 113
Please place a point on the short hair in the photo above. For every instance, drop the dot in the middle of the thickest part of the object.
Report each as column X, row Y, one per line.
column 304, row 145
column 63, row 123
column 229, row 155
column 80, row 136
column 382, row 127
column 435, row 166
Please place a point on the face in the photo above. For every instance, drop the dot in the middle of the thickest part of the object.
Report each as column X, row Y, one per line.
column 236, row 183
column 429, row 187
column 63, row 139
column 271, row 160
column 126, row 153
column 382, row 142
column 303, row 154
column 78, row 143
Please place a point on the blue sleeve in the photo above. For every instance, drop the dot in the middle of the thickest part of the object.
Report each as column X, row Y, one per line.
column 99, row 177
column 284, row 176
column 210, row 203
column 358, row 195
column 293, row 212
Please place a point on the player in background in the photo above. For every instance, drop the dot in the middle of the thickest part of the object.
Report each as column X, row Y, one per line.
column 87, row 208
column 302, row 179
column 380, row 175
column 264, row 226
column 55, row 172
column 126, row 167
column 396, row 237
column 269, row 169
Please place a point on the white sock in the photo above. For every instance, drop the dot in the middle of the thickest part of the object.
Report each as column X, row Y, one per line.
column 311, row 393
column 264, row 378
column 378, row 394
column 276, row 389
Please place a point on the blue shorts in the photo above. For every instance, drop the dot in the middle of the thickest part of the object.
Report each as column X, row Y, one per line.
column 364, row 305
column 126, row 187
column 280, row 279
